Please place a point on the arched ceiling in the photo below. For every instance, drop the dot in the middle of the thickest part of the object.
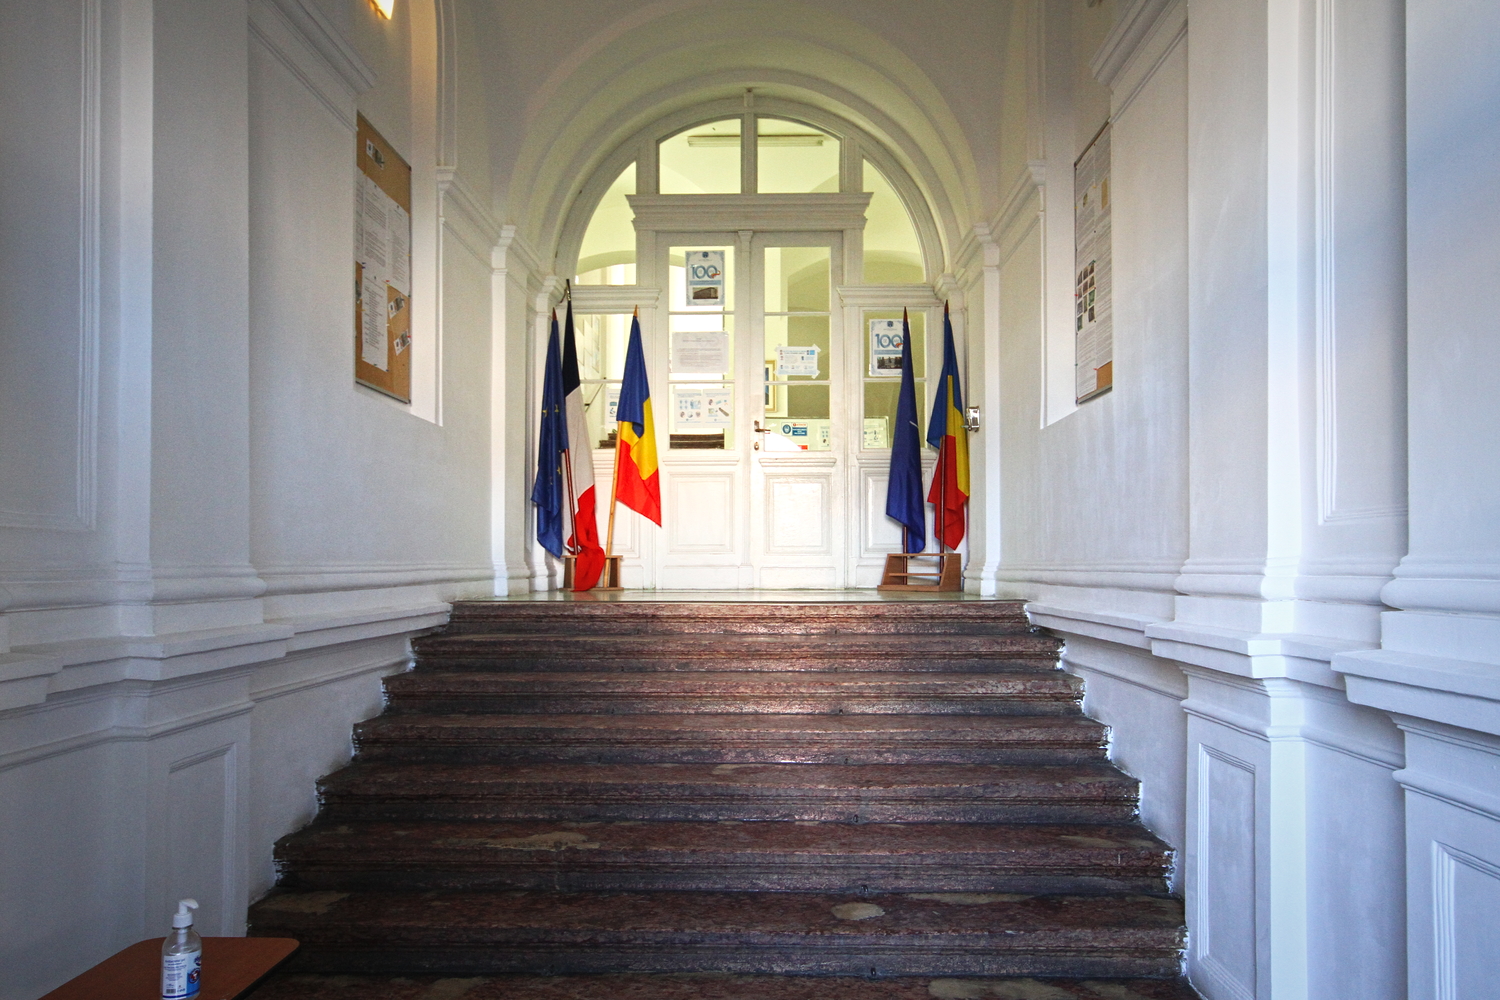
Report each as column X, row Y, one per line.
column 661, row 57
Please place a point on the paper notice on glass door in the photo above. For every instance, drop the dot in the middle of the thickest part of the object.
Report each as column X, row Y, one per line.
column 701, row 352
column 796, row 362
column 705, row 277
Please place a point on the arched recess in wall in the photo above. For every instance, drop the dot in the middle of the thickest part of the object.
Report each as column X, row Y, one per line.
column 857, row 147
column 638, row 72
column 425, row 94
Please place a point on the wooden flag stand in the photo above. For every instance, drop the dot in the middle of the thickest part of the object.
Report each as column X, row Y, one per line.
column 608, row 580
column 942, row 574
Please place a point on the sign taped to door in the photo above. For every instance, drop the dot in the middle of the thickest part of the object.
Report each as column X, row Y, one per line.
column 886, row 341
column 800, row 362
column 705, row 277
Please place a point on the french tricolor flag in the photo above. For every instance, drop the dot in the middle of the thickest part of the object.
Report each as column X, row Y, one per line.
column 580, row 469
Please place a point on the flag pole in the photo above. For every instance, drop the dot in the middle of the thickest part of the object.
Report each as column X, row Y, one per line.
column 568, row 451
column 947, row 390
column 614, row 486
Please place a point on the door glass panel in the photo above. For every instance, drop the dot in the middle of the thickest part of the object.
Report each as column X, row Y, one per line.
column 601, row 341
column 702, row 415
column 892, row 254
column 797, row 347
column 704, row 159
column 880, row 332
column 798, row 359
column 607, row 255
column 803, row 424
column 796, row 279
column 700, row 325
column 793, row 158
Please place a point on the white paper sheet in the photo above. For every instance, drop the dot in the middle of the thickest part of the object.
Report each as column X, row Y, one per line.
column 374, row 335
column 703, row 407
column 885, row 348
column 796, row 361
column 705, row 277
column 701, row 352
column 400, row 252
column 374, row 244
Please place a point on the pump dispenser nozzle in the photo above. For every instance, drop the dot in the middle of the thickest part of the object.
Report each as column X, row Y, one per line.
column 184, row 918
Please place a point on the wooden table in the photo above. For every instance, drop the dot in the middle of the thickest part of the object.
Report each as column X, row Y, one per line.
column 232, row 966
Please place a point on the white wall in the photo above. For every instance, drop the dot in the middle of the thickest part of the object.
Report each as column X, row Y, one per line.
column 1218, row 538
column 213, row 545
column 1437, row 671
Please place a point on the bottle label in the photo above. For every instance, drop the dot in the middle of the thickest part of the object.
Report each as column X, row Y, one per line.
column 180, row 975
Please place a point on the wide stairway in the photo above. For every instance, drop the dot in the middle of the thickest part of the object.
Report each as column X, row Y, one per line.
column 882, row 789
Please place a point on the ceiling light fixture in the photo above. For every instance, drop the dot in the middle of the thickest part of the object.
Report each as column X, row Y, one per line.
column 386, row 7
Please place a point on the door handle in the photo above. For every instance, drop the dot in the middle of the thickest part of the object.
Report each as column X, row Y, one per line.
column 760, row 430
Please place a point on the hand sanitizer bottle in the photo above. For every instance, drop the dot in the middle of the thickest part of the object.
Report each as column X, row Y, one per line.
column 182, row 955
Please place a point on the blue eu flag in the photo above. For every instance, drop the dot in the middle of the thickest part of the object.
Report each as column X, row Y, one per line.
column 903, row 492
column 547, row 491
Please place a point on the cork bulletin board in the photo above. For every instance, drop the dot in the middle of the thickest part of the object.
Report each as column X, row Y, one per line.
column 382, row 265
column 1093, row 290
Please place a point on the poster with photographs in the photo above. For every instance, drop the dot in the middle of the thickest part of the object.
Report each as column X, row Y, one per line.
column 1092, row 286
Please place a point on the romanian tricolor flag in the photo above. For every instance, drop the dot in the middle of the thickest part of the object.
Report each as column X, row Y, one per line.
column 637, row 483
column 946, row 432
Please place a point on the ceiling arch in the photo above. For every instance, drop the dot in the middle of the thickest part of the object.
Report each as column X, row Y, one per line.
column 670, row 56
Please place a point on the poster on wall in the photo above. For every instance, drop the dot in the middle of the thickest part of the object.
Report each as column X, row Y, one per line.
column 885, row 348
column 1093, row 328
column 705, row 277
column 382, row 265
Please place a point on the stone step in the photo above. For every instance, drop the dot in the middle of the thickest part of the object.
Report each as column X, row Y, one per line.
column 933, row 934
column 664, row 617
column 750, row 653
column 713, row 986
column 732, row 739
column 727, row 856
column 720, row 692
column 909, row 793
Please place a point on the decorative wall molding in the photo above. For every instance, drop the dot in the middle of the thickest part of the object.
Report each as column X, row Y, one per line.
column 1326, row 255
column 1021, row 209
column 447, row 82
column 465, row 216
column 1144, row 35
column 299, row 34
column 759, row 212
column 29, row 676
column 1212, row 761
column 511, row 249
column 1445, row 918
column 81, row 514
column 311, row 579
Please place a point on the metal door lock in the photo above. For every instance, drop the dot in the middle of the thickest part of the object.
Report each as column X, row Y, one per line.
column 971, row 418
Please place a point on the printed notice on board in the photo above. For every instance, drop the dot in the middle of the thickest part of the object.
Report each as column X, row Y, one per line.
column 701, row 352
column 705, row 277
column 886, row 342
column 1092, row 278
column 382, row 248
